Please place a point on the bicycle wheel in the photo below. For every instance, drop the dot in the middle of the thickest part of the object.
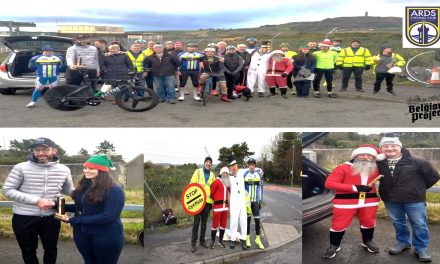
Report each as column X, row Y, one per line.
column 136, row 99
column 207, row 91
column 56, row 98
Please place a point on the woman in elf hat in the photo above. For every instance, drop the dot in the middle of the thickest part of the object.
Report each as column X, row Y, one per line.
column 97, row 226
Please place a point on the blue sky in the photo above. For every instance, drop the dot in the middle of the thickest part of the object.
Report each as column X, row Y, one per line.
column 196, row 14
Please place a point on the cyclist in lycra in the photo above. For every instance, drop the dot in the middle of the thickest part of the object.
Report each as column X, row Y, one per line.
column 213, row 65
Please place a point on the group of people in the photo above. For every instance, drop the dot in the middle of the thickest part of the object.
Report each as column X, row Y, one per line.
column 34, row 186
column 402, row 188
column 237, row 70
column 238, row 192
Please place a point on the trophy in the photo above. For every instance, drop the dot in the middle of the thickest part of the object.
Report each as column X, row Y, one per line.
column 60, row 208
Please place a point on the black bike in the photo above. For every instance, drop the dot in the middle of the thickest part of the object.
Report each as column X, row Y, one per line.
column 127, row 94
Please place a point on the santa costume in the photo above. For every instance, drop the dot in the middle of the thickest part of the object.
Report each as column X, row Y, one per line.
column 278, row 69
column 351, row 200
column 220, row 196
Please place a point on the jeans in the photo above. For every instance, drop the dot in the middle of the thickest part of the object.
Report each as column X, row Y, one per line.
column 416, row 214
column 165, row 87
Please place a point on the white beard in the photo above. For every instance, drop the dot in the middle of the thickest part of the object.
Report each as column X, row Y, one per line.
column 226, row 181
column 364, row 167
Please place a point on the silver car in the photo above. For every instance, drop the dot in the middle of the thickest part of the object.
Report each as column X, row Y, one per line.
column 14, row 72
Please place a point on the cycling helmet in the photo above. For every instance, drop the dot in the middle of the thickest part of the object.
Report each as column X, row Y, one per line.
column 169, row 42
column 191, row 45
column 212, row 45
column 231, row 47
column 284, row 45
column 251, row 39
column 251, row 160
column 210, row 49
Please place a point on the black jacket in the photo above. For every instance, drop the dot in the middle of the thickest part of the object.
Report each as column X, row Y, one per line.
column 412, row 176
column 117, row 66
column 246, row 59
column 165, row 66
column 233, row 63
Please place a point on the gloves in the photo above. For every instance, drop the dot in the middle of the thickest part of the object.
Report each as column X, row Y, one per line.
column 75, row 220
column 284, row 74
column 260, row 205
column 367, row 67
column 363, row 188
column 339, row 67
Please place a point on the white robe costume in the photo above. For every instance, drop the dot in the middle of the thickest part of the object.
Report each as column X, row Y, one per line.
column 237, row 206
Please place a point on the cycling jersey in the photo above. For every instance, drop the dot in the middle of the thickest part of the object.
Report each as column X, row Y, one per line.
column 47, row 66
column 190, row 61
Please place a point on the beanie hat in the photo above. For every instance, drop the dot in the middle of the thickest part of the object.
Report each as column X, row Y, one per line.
column 231, row 160
column 47, row 48
column 390, row 138
column 303, row 46
column 368, row 149
column 356, row 40
column 208, row 158
column 99, row 162
column 224, row 169
column 265, row 44
column 325, row 43
column 385, row 46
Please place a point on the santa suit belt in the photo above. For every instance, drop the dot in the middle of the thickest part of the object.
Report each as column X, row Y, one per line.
column 221, row 202
column 360, row 195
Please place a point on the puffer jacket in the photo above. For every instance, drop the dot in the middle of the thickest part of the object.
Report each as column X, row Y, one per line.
column 29, row 181
column 411, row 177
column 117, row 66
column 88, row 54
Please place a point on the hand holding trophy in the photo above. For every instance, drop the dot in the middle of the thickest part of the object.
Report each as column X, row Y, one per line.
column 60, row 207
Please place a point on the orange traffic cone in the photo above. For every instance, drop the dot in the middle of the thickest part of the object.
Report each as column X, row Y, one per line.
column 435, row 78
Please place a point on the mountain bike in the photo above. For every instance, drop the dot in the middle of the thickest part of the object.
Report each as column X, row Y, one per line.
column 127, row 94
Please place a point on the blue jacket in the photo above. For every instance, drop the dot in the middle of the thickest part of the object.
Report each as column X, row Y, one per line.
column 102, row 219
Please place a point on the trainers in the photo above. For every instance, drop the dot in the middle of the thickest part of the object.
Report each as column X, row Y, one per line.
column 293, row 93
column 222, row 244
column 423, row 255
column 260, row 94
column 203, row 244
column 332, row 95
column 197, row 98
column 398, row 248
column 161, row 100
column 193, row 249
column 284, row 96
column 211, row 246
column 391, row 93
column 31, row 104
column 177, row 90
column 370, row 246
column 317, row 95
column 258, row 242
column 172, row 101
column 185, row 92
column 181, row 98
column 331, row 251
column 214, row 92
column 225, row 98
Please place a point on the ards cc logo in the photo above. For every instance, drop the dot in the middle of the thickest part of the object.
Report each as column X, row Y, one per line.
column 422, row 27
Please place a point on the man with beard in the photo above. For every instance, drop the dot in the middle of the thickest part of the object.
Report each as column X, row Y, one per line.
column 82, row 58
column 354, row 196
column 403, row 190
column 33, row 186
column 205, row 177
column 277, row 71
column 237, row 201
column 220, row 196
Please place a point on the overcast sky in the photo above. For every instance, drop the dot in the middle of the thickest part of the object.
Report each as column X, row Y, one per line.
column 160, row 145
column 195, row 14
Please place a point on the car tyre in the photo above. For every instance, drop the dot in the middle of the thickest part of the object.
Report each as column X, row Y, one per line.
column 8, row 91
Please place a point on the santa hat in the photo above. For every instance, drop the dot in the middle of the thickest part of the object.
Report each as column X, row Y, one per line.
column 223, row 170
column 368, row 149
column 390, row 138
column 99, row 162
column 325, row 43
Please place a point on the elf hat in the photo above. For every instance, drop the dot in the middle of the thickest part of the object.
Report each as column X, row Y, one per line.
column 99, row 162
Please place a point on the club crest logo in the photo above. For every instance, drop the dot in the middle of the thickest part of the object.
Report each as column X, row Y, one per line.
column 421, row 27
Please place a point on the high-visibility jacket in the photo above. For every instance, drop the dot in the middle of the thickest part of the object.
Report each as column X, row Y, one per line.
column 289, row 54
column 137, row 62
column 325, row 59
column 199, row 177
column 348, row 59
column 400, row 61
column 148, row 52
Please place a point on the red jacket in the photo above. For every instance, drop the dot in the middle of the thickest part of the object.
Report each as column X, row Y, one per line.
column 220, row 195
column 277, row 68
column 342, row 180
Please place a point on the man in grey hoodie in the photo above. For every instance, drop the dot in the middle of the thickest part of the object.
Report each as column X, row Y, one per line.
column 33, row 185
column 82, row 58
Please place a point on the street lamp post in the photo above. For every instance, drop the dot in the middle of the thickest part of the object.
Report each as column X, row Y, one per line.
column 293, row 159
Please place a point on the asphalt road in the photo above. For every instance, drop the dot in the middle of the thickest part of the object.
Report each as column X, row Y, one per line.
column 258, row 112
column 282, row 205
column 67, row 253
column 316, row 240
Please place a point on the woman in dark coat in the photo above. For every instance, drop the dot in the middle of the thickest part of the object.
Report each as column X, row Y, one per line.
column 116, row 65
column 97, row 226
column 304, row 64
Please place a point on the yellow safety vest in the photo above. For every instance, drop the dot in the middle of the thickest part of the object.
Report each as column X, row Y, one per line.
column 148, row 52
column 137, row 62
column 199, row 177
column 347, row 59
column 400, row 60
column 289, row 54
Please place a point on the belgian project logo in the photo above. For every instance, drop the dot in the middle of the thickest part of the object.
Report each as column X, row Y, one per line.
column 421, row 27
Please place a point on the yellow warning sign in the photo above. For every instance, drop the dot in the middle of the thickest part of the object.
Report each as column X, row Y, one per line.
column 193, row 198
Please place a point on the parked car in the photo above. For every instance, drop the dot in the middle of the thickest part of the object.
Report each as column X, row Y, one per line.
column 14, row 72
column 316, row 201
